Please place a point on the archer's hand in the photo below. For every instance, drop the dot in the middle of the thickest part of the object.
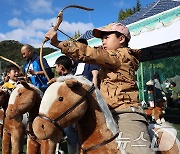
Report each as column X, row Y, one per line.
column 52, row 36
column 52, row 81
column 32, row 72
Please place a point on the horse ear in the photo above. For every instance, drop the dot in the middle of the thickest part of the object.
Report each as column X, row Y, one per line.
column 73, row 83
column 25, row 84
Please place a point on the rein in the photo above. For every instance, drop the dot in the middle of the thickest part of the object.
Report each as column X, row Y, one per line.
column 54, row 122
column 85, row 150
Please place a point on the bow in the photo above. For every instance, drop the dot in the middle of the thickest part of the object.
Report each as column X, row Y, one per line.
column 8, row 60
column 20, row 68
column 58, row 22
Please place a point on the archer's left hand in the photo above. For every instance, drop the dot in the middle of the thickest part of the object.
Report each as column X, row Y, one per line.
column 52, row 36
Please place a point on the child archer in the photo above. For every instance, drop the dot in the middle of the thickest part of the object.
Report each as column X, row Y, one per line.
column 118, row 81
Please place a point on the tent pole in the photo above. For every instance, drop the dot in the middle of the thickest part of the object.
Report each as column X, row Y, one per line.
column 142, row 81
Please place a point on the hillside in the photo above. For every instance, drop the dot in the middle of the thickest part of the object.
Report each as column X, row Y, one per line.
column 11, row 49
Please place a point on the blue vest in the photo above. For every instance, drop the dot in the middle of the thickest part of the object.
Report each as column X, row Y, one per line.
column 39, row 81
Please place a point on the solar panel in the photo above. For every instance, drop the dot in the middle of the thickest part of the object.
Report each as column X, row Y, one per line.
column 150, row 10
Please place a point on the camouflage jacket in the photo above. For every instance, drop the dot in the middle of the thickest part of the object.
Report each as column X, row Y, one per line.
column 117, row 73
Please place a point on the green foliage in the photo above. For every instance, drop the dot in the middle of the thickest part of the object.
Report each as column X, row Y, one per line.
column 12, row 50
column 125, row 14
column 138, row 6
column 76, row 35
column 128, row 12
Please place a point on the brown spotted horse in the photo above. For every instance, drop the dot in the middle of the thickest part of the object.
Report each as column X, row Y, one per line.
column 25, row 98
column 73, row 99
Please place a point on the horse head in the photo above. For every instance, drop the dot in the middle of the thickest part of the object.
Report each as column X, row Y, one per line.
column 22, row 99
column 74, row 99
column 61, row 105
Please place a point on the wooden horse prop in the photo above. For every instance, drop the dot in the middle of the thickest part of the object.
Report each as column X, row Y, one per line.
column 157, row 112
column 74, row 99
column 24, row 98
column 4, row 98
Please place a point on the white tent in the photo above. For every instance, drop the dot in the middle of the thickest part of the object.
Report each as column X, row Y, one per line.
column 157, row 29
column 154, row 30
column 51, row 58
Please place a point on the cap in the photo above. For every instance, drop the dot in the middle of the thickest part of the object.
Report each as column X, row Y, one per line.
column 150, row 83
column 97, row 32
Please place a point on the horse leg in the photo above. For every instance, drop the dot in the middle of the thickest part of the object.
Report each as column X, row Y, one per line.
column 163, row 120
column 1, row 130
column 44, row 147
column 1, row 121
column 33, row 147
column 48, row 147
column 17, row 140
column 158, row 121
column 156, row 116
column 52, row 147
column 6, row 143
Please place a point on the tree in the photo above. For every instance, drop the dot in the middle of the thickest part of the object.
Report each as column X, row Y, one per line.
column 128, row 12
column 76, row 35
column 11, row 49
column 138, row 6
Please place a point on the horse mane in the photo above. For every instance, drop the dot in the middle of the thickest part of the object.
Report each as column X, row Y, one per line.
column 32, row 86
column 11, row 99
column 101, row 102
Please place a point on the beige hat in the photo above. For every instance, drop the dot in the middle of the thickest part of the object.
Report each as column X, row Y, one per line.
column 97, row 32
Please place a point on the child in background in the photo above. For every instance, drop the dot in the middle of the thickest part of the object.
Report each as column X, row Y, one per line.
column 175, row 95
column 89, row 71
column 150, row 90
column 150, row 96
column 64, row 67
column 12, row 74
